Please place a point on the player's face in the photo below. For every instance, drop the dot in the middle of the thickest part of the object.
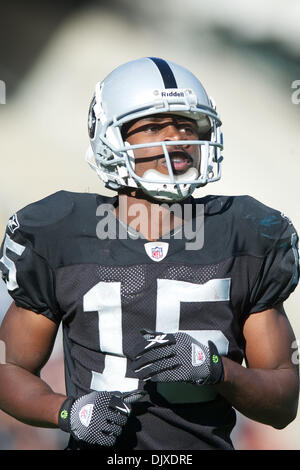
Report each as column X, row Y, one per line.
column 163, row 128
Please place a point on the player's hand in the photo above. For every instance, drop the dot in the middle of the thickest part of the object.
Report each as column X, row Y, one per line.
column 176, row 357
column 98, row 417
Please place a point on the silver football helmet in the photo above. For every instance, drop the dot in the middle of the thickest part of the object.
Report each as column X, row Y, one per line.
column 141, row 88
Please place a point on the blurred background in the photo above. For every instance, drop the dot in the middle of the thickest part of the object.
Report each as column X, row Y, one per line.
column 246, row 54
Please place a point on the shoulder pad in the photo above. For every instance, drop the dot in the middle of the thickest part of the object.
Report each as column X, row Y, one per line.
column 263, row 220
column 249, row 227
column 45, row 212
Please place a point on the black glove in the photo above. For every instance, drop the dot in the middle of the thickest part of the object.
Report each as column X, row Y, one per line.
column 98, row 417
column 176, row 357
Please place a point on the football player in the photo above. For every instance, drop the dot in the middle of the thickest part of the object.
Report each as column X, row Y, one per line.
column 166, row 330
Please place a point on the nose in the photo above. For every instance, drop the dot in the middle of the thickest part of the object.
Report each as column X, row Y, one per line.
column 172, row 133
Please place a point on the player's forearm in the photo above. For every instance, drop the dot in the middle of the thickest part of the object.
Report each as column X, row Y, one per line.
column 269, row 396
column 27, row 398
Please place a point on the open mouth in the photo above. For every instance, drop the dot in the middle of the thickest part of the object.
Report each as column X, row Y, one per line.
column 180, row 161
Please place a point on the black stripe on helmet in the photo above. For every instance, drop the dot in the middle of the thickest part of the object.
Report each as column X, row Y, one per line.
column 166, row 72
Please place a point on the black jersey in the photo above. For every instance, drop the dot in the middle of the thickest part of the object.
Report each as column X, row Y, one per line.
column 104, row 290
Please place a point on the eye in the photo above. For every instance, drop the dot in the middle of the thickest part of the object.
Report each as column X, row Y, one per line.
column 187, row 129
column 152, row 128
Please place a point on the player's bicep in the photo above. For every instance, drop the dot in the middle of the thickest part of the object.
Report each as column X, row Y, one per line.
column 269, row 338
column 28, row 338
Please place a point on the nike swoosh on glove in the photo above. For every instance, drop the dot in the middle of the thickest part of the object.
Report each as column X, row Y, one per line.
column 98, row 417
column 176, row 357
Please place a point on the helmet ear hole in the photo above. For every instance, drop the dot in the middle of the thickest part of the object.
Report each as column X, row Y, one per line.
column 205, row 136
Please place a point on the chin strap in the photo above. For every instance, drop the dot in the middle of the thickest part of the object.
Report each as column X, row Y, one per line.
column 169, row 191
column 190, row 174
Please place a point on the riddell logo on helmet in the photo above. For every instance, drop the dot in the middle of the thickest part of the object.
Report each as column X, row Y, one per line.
column 175, row 94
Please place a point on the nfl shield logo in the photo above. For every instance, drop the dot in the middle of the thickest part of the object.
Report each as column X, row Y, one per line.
column 200, row 356
column 157, row 252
